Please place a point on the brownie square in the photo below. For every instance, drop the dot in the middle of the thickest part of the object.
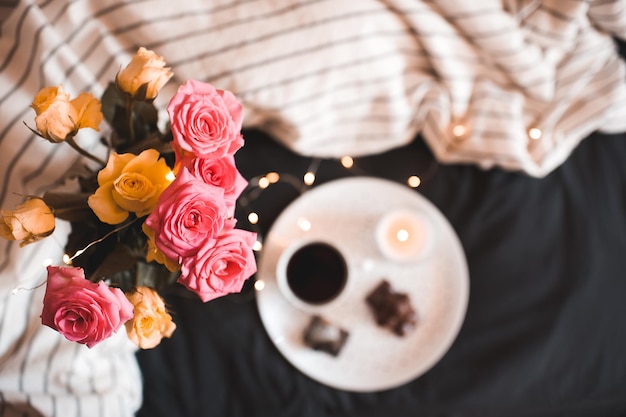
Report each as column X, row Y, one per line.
column 392, row 309
column 322, row 335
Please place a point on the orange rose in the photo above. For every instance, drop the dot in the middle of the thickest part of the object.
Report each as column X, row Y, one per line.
column 58, row 118
column 151, row 321
column 29, row 222
column 144, row 76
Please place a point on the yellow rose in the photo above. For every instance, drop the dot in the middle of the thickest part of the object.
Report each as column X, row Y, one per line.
column 151, row 321
column 144, row 76
column 29, row 222
column 154, row 253
column 58, row 117
column 129, row 183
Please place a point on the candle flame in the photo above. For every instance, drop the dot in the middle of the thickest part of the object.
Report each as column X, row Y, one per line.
column 402, row 235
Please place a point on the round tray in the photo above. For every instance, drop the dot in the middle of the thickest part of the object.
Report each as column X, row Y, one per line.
column 345, row 212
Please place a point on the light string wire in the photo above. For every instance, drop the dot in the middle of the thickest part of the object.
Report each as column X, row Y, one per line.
column 258, row 184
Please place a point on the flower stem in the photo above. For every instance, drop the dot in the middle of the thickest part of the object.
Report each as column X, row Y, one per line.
column 129, row 118
column 70, row 141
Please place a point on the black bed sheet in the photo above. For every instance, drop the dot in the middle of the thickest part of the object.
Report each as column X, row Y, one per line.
column 545, row 330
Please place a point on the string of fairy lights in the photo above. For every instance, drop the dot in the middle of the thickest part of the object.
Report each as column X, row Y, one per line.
column 257, row 185
column 262, row 182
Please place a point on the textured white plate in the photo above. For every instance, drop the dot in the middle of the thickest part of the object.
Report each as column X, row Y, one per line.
column 345, row 212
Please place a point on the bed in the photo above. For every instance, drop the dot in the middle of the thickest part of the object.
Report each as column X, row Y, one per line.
column 541, row 220
column 543, row 334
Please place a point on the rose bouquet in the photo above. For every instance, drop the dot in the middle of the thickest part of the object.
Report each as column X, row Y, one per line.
column 159, row 210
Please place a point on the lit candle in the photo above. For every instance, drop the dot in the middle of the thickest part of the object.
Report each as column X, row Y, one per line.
column 403, row 235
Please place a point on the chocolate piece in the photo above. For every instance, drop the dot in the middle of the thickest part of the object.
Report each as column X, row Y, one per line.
column 392, row 309
column 322, row 335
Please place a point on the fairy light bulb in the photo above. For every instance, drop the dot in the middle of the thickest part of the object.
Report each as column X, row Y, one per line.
column 264, row 182
column 272, row 177
column 170, row 176
column 414, row 181
column 253, row 218
column 535, row 133
column 66, row 259
column 347, row 162
column 459, row 130
column 309, row 178
column 259, row 285
column 257, row 246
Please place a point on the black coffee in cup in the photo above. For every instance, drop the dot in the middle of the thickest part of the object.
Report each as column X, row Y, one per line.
column 316, row 273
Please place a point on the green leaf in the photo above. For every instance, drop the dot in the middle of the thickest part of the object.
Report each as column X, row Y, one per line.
column 154, row 275
column 146, row 114
column 118, row 260
column 111, row 100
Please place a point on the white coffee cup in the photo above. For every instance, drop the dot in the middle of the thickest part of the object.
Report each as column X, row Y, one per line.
column 312, row 274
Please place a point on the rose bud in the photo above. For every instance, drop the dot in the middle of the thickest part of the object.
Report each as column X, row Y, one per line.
column 29, row 222
column 144, row 76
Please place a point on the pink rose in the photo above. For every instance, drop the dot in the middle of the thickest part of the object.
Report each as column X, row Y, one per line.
column 83, row 311
column 220, row 172
column 222, row 268
column 189, row 215
column 205, row 121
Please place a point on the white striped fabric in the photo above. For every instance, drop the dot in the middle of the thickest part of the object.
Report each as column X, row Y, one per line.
column 326, row 78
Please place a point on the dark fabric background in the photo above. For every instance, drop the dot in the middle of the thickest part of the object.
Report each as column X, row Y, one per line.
column 545, row 331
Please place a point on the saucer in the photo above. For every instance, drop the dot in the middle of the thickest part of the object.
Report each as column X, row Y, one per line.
column 345, row 212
